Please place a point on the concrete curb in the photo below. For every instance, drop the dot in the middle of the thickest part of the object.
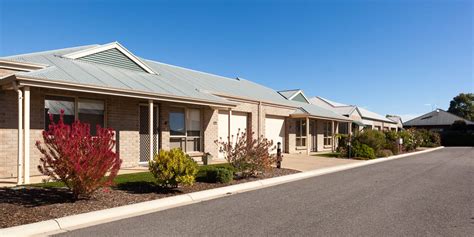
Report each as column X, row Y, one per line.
column 102, row 216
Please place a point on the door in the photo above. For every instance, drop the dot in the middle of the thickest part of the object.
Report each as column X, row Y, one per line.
column 238, row 123
column 144, row 134
column 275, row 131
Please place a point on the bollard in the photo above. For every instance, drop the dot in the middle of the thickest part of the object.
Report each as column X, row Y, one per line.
column 279, row 158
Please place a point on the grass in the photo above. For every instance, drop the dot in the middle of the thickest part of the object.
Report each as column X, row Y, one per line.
column 330, row 155
column 138, row 177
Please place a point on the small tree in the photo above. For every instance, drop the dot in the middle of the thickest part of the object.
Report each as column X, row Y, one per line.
column 71, row 155
column 247, row 155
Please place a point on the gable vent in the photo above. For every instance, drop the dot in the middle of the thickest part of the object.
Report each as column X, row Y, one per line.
column 112, row 57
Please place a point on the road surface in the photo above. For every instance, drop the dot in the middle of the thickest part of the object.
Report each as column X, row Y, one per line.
column 424, row 195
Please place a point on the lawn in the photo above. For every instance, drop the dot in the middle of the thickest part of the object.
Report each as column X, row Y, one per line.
column 137, row 177
column 329, row 155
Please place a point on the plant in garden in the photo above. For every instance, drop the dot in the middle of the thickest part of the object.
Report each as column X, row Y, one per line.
column 372, row 138
column 391, row 141
column 411, row 139
column 249, row 156
column 71, row 155
column 362, row 151
column 219, row 175
column 174, row 167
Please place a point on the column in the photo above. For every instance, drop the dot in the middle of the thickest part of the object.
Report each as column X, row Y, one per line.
column 333, row 137
column 26, row 144
column 307, row 136
column 150, row 127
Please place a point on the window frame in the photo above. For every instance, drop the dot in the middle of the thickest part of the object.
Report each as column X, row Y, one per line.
column 185, row 136
column 327, row 133
column 302, row 131
column 76, row 105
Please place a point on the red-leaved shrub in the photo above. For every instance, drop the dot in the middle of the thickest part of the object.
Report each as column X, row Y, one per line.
column 71, row 155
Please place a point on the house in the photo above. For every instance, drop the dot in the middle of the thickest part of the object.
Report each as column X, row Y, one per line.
column 362, row 118
column 436, row 120
column 151, row 106
column 396, row 119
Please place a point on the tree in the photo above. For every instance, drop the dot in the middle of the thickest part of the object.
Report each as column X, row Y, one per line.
column 463, row 106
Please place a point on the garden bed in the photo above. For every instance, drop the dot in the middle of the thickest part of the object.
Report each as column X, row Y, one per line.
column 28, row 204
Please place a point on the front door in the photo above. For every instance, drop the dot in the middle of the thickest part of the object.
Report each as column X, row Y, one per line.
column 144, row 133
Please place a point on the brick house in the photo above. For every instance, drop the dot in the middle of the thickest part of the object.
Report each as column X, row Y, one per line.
column 151, row 106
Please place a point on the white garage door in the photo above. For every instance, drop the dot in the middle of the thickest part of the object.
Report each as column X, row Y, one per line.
column 275, row 130
column 238, row 121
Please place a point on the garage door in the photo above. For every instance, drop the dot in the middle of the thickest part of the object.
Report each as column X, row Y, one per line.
column 238, row 121
column 275, row 130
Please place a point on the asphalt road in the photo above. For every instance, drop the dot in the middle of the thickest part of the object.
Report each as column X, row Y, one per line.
column 430, row 194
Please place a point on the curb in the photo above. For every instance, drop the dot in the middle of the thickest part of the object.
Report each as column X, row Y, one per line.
column 67, row 223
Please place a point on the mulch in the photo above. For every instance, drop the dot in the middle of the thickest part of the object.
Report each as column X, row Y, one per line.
column 24, row 205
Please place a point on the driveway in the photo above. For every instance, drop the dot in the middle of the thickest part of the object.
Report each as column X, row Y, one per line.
column 303, row 162
column 423, row 195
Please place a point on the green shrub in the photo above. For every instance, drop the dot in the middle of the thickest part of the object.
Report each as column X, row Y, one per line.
column 457, row 138
column 173, row 167
column 384, row 153
column 411, row 139
column 219, row 175
column 362, row 151
column 429, row 138
column 391, row 141
column 372, row 138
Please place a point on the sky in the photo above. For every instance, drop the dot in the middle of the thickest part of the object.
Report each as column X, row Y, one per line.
column 391, row 57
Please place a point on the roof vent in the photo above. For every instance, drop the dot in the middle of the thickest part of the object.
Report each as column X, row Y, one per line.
column 437, row 111
column 237, row 78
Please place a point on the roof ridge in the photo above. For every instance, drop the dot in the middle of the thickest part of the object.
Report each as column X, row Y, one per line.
column 193, row 70
column 47, row 51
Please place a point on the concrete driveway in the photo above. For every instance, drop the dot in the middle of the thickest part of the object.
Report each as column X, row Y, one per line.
column 303, row 162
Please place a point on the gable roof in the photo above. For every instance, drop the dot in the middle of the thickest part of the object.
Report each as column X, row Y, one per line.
column 167, row 81
column 294, row 94
column 437, row 117
column 111, row 54
column 395, row 118
column 345, row 109
column 71, row 72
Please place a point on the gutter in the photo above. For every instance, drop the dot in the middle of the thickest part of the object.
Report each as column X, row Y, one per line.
column 44, row 83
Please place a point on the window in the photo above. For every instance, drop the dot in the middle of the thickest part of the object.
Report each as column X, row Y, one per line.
column 88, row 111
column 176, row 121
column 185, row 129
column 91, row 112
column 193, row 130
column 301, row 132
column 53, row 106
column 327, row 130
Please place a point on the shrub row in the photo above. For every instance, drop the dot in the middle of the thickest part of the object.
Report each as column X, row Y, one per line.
column 370, row 144
column 81, row 161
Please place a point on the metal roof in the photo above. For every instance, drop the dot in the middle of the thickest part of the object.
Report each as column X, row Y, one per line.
column 345, row 109
column 437, row 117
column 86, row 73
column 169, row 80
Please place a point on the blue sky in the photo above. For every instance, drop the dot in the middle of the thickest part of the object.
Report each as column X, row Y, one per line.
column 387, row 56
